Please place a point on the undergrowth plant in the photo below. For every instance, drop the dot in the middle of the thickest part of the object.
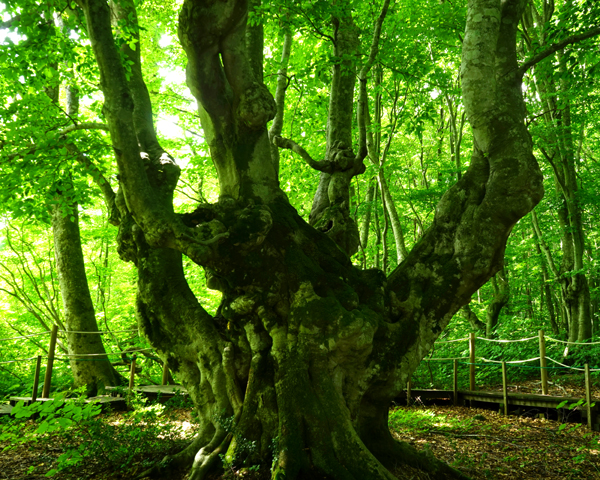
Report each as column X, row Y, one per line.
column 75, row 424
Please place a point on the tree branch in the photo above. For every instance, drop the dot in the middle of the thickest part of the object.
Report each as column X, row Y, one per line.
column 559, row 175
column 538, row 233
column 10, row 23
column 84, row 126
column 101, row 181
column 64, row 131
column 556, row 47
column 294, row 147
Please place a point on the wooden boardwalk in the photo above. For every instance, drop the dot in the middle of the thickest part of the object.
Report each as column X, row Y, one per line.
column 153, row 392
column 515, row 400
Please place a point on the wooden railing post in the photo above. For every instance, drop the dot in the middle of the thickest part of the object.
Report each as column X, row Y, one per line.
column 455, row 382
column 50, row 364
column 472, row 361
column 505, row 387
column 408, row 388
column 36, row 378
column 165, row 374
column 588, row 396
column 132, row 373
column 543, row 364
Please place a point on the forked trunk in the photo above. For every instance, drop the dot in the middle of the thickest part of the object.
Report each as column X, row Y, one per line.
column 298, row 367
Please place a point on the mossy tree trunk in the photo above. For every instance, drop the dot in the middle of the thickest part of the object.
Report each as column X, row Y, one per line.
column 306, row 352
column 83, row 339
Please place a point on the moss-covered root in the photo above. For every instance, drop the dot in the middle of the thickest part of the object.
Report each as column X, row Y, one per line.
column 199, row 458
column 395, row 455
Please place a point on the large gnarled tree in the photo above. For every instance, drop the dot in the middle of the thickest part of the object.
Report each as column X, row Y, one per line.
column 306, row 352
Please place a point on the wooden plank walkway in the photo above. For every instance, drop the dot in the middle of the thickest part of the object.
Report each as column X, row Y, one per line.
column 153, row 391
column 468, row 397
column 520, row 399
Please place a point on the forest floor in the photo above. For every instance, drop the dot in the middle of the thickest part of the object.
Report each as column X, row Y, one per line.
column 481, row 443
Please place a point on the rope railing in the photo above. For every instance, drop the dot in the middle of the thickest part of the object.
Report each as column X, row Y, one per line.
column 488, row 361
column 76, row 355
column 25, row 336
column 102, row 357
column 100, row 332
column 473, row 361
column 18, row 360
column 572, row 343
column 98, row 357
column 573, row 368
column 452, row 341
column 511, row 362
column 507, row 341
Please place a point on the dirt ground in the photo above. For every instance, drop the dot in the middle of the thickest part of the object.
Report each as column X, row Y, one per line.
column 486, row 445
column 481, row 443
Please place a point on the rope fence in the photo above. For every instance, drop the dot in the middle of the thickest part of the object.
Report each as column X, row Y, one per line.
column 516, row 363
column 98, row 332
column 25, row 336
column 452, row 341
column 478, row 361
column 572, row 343
column 76, row 355
column 506, row 341
column 61, row 332
column 90, row 357
column 472, row 361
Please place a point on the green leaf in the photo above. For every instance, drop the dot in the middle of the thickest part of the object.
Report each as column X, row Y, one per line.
column 43, row 428
column 65, row 422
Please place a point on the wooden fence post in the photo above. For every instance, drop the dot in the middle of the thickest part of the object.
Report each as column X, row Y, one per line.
column 472, row 361
column 455, row 382
column 543, row 364
column 505, row 387
column 50, row 364
column 408, row 388
column 132, row 373
column 588, row 396
column 165, row 374
column 36, row 378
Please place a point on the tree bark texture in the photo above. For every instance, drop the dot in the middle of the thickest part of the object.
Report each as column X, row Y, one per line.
column 96, row 371
column 499, row 300
column 298, row 367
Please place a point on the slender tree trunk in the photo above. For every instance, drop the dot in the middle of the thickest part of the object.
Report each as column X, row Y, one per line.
column 80, row 318
column 499, row 300
column 378, row 159
column 547, row 292
column 364, row 229
column 282, row 82
column 476, row 324
column 562, row 156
